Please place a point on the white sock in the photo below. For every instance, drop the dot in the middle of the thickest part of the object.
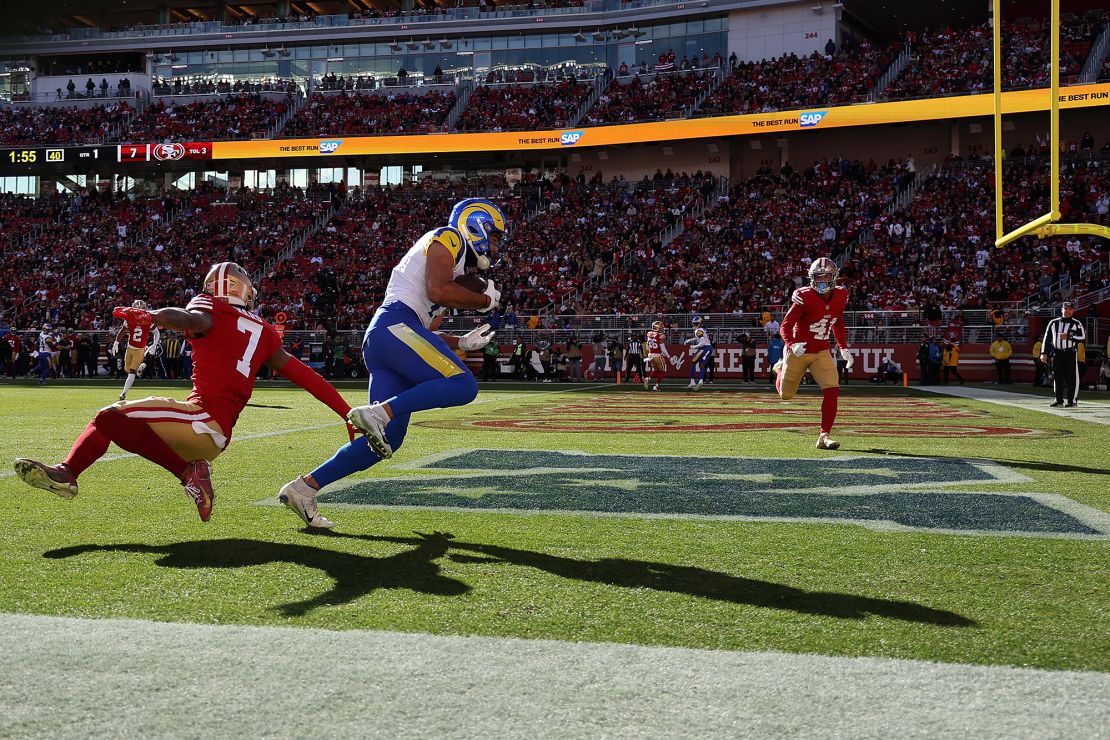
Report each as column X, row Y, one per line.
column 128, row 383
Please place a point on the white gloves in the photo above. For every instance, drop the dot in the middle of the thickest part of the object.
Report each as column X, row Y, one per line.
column 476, row 338
column 115, row 348
column 494, row 294
column 798, row 349
column 849, row 360
column 141, row 370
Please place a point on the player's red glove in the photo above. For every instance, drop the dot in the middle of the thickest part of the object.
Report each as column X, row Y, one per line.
column 136, row 316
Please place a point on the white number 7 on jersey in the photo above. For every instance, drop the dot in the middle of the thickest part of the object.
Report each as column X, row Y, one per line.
column 254, row 329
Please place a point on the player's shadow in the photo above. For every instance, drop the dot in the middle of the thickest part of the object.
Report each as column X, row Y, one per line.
column 354, row 575
column 1050, row 467
column 683, row 579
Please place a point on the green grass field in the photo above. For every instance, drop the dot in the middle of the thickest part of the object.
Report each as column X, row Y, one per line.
column 572, row 561
column 894, row 546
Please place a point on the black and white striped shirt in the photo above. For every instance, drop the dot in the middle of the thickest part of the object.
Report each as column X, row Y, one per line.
column 1062, row 335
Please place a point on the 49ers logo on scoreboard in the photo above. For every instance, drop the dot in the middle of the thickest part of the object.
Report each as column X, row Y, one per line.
column 166, row 152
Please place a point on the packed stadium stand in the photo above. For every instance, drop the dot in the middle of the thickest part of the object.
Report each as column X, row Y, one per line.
column 730, row 240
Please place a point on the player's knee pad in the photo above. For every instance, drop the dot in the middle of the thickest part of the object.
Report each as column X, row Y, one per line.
column 465, row 388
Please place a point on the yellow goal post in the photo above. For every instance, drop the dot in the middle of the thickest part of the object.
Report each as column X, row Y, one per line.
column 1046, row 225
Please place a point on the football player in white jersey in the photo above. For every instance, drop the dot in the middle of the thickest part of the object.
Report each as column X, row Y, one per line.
column 412, row 367
column 700, row 350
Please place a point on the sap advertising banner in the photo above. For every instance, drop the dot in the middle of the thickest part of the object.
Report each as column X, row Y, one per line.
column 1020, row 101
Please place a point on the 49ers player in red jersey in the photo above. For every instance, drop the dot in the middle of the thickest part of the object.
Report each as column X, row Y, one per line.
column 139, row 343
column 230, row 345
column 656, row 345
column 815, row 312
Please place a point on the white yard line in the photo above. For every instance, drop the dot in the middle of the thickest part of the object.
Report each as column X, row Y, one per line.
column 1098, row 413
column 66, row 677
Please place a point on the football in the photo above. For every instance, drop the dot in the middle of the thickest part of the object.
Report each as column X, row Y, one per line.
column 472, row 282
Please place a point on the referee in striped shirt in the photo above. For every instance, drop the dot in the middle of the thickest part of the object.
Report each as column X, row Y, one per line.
column 1060, row 348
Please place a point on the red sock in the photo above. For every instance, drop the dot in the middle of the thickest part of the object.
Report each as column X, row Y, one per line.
column 135, row 435
column 86, row 450
column 828, row 408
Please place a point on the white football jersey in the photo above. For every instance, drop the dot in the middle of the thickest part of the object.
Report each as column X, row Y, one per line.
column 406, row 282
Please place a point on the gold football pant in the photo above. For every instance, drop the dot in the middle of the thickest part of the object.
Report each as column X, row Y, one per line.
column 185, row 427
column 820, row 365
column 132, row 358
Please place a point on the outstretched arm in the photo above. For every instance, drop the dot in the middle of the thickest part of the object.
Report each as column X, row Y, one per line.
column 289, row 367
column 197, row 323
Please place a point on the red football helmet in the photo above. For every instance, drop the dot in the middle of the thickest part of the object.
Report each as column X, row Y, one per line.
column 230, row 281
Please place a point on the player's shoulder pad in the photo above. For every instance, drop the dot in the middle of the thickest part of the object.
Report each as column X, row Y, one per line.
column 798, row 297
column 451, row 238
column 202, row 302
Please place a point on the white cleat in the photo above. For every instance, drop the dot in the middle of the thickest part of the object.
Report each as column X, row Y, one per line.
column 825, row 442
column 301, row 498
column 698, row 386
column 371, row 420
column 656, row 387
column 777, row 368
column 692, row 385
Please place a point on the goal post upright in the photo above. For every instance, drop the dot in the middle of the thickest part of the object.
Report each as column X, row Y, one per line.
column 1047, row 224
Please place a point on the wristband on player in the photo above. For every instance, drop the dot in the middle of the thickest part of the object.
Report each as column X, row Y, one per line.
column 307, row 378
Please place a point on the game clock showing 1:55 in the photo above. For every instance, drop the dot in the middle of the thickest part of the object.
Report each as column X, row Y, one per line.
column 23, row 156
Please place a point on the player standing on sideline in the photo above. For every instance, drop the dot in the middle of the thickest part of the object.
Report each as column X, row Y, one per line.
column 656, row 350
column 46, row 348
column 141, row 340
column 413, row 367
column 815, row 311
column 700, row 350
column 230, row 345
column 1060, row 347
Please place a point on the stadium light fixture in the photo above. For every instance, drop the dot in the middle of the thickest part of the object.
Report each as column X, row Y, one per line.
column 599, row 37
column 445, row 44
column 637, row 32
column 413, row 45
column 580, row 37
column 619, row 34
column 173, row 57
column 429, row 44
column 283, row 52
column 395, row 47
column 268, row 52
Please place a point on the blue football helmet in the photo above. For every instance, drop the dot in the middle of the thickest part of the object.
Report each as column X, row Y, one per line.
column 478, row 219
column 697, row 321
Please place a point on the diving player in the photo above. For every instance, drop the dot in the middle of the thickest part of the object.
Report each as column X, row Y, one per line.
column 700, row 351
column 412, row 366
column 141, row 340
column 230, row 345
column 815, row 312
column 656, row 352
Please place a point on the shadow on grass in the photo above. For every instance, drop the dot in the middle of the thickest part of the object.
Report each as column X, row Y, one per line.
column 354, row 575
column 1049, row 467
column 359, row 575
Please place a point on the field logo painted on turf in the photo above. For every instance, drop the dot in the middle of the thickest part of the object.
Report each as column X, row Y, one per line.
column 882, row 492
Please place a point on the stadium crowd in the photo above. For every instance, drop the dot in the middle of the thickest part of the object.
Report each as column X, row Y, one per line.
column 650, row 98
column 327, row 114
column 959, row 60
column 105, row 250
column 516, row 107
column 50, row 126
column 789, row 81
column 234, row 116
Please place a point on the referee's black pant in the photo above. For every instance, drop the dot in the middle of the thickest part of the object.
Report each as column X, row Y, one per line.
column 1065, row 369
